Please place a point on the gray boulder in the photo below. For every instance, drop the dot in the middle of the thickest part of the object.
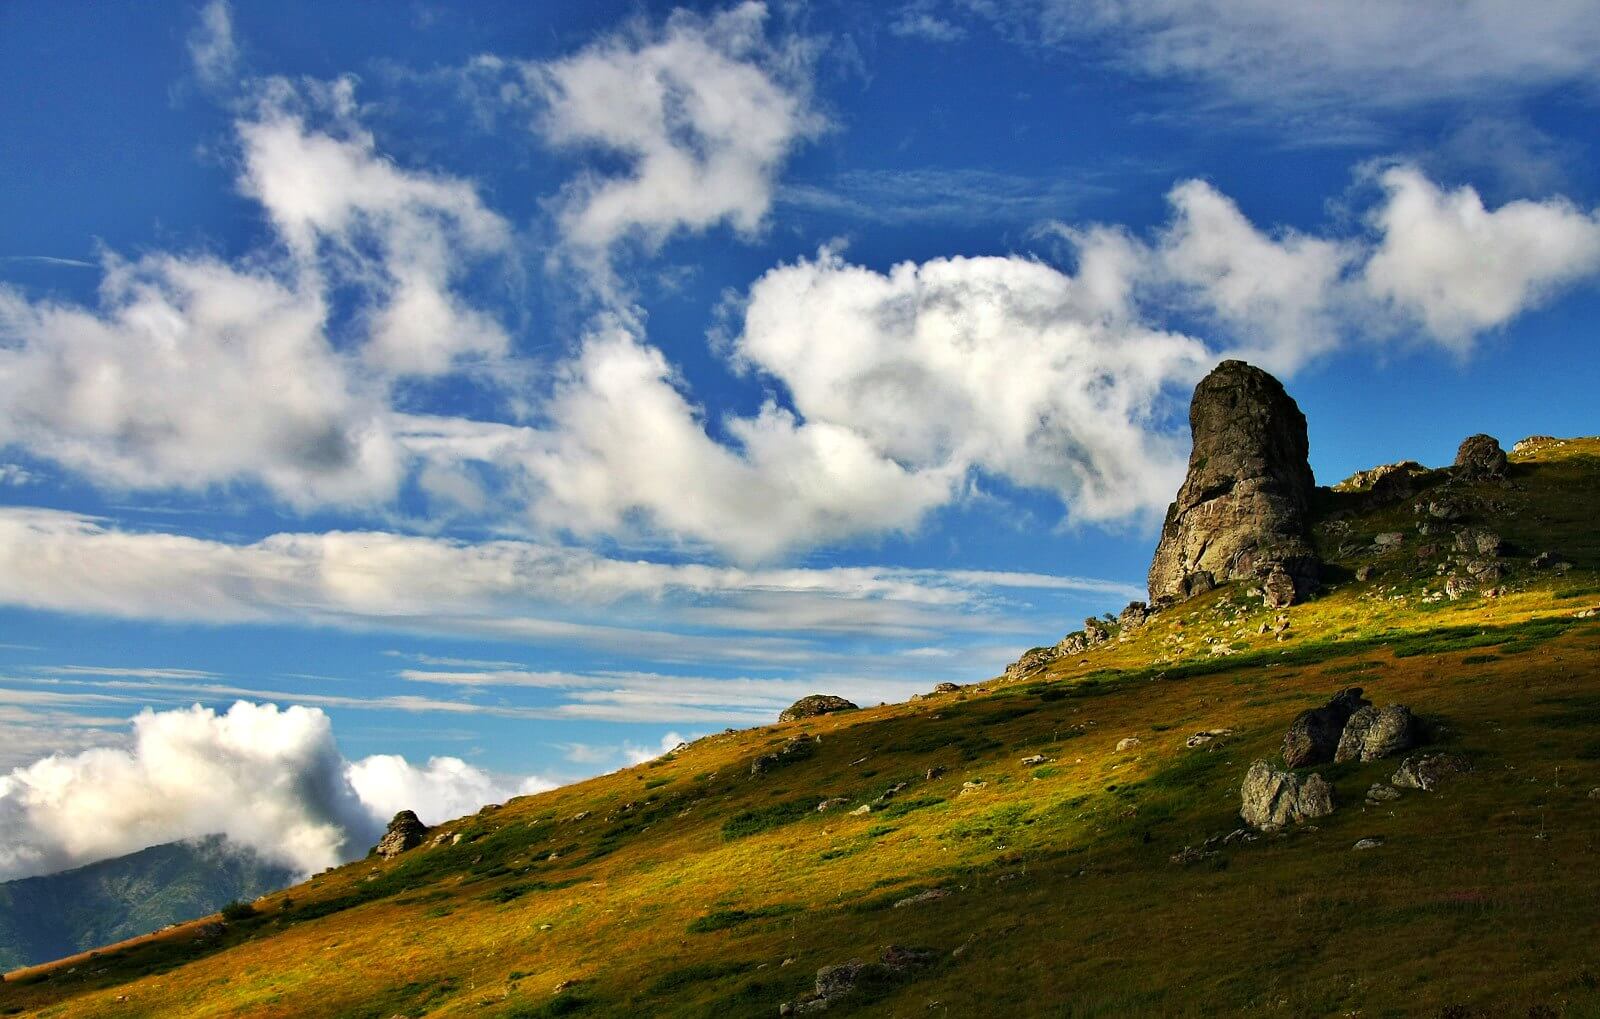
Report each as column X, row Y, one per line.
column 405, row 832
column 1135, row 615
column 1429, row 771
column 1373, row 733
column 1243, row 506
column 1313, row 736
column 1480, row 458
column 1271, row 799
column 841, row 981
column 814, row 705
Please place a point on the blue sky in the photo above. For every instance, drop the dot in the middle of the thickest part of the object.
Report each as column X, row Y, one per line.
column 531, row 385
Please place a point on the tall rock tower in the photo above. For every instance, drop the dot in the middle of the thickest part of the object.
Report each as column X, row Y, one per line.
column 1242, row 511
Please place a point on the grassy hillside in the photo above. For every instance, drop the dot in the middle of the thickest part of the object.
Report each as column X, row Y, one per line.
column 689, row 886
column 43, row 918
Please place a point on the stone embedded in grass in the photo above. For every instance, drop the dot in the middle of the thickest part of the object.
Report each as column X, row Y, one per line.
column 1374, row 733
column 1313, row 736
column 1128, row 743
column 931, row 895
column 1428, row 771
column 1034, row 760
column 815, row 705
column 972, row 786
column 1271, row 799
column 1380, row 794
column 845, row 980
column 832, row 803
column 1368, row 843
column 1205, row 736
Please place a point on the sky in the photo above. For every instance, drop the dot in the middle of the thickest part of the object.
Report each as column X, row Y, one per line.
column 412, row 405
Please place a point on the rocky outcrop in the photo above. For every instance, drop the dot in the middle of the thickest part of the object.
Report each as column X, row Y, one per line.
column 1242, row 510
column 405, row 832
column 1385, row 480
column 1480, row 458
column 1313, row 737
column 1372, row 733
column 1271, row 799
column 814, row 705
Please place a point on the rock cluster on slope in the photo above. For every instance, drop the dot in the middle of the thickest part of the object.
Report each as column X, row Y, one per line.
column 1271, row 799
column 1313, row 736
column 1372, row 733
column 405, row 832
column 1242, row 510
column 814, row 705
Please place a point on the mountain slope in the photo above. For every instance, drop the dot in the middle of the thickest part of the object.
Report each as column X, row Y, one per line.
column 694, row 886
column 43, row 918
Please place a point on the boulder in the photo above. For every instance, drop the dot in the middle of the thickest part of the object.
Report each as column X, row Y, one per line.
column 1278, row 589
column 1135, row 615
column 405, row 832
column 814, row 705
column 1313, row 736
column 945, row 688
column 1095, row 632
column 1480, row 458
column 1271, row 799
column 1243, row 506
column 844, row 980
column 1372, row 733
column 1035, row 659
column 1429, row 771
column 796, row 749
column 1384, row 482
column 1478, row 541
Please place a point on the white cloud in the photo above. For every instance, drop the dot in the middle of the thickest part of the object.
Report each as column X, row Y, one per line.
column 269, row 779
column 446, row 788
column 702, row 112
column 15, row 474
column 1361, row 53
column 195, row 373
column 191, row 374
column 1460, row 268
column 338, row 196
column 67, row 562
column 212, row 46
column 913, row 23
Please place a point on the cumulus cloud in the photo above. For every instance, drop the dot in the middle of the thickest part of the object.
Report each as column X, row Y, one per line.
column 269, row 779
column 190, row 372
column 446, row 788
column 701, row 113
column 1365, row 53
column 337, row 196
column 1459, row 268
column 193, row 373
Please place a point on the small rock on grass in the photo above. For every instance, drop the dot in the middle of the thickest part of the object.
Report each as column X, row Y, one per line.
column 931, row 895
column 1369, row 843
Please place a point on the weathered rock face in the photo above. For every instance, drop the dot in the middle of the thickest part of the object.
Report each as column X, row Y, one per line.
column 1242, row 508
column 1270, row 799
column 1372, row 733
column 1480, row 458
column 814, row 705
column 405, row 832
column 1313, row 737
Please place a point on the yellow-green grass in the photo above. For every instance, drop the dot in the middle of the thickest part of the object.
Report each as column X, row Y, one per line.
column 1482, row 900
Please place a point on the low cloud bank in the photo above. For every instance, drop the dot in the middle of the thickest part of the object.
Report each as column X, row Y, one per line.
column 271, row 779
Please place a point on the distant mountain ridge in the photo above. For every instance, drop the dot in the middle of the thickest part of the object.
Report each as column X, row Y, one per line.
column 48, row 917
